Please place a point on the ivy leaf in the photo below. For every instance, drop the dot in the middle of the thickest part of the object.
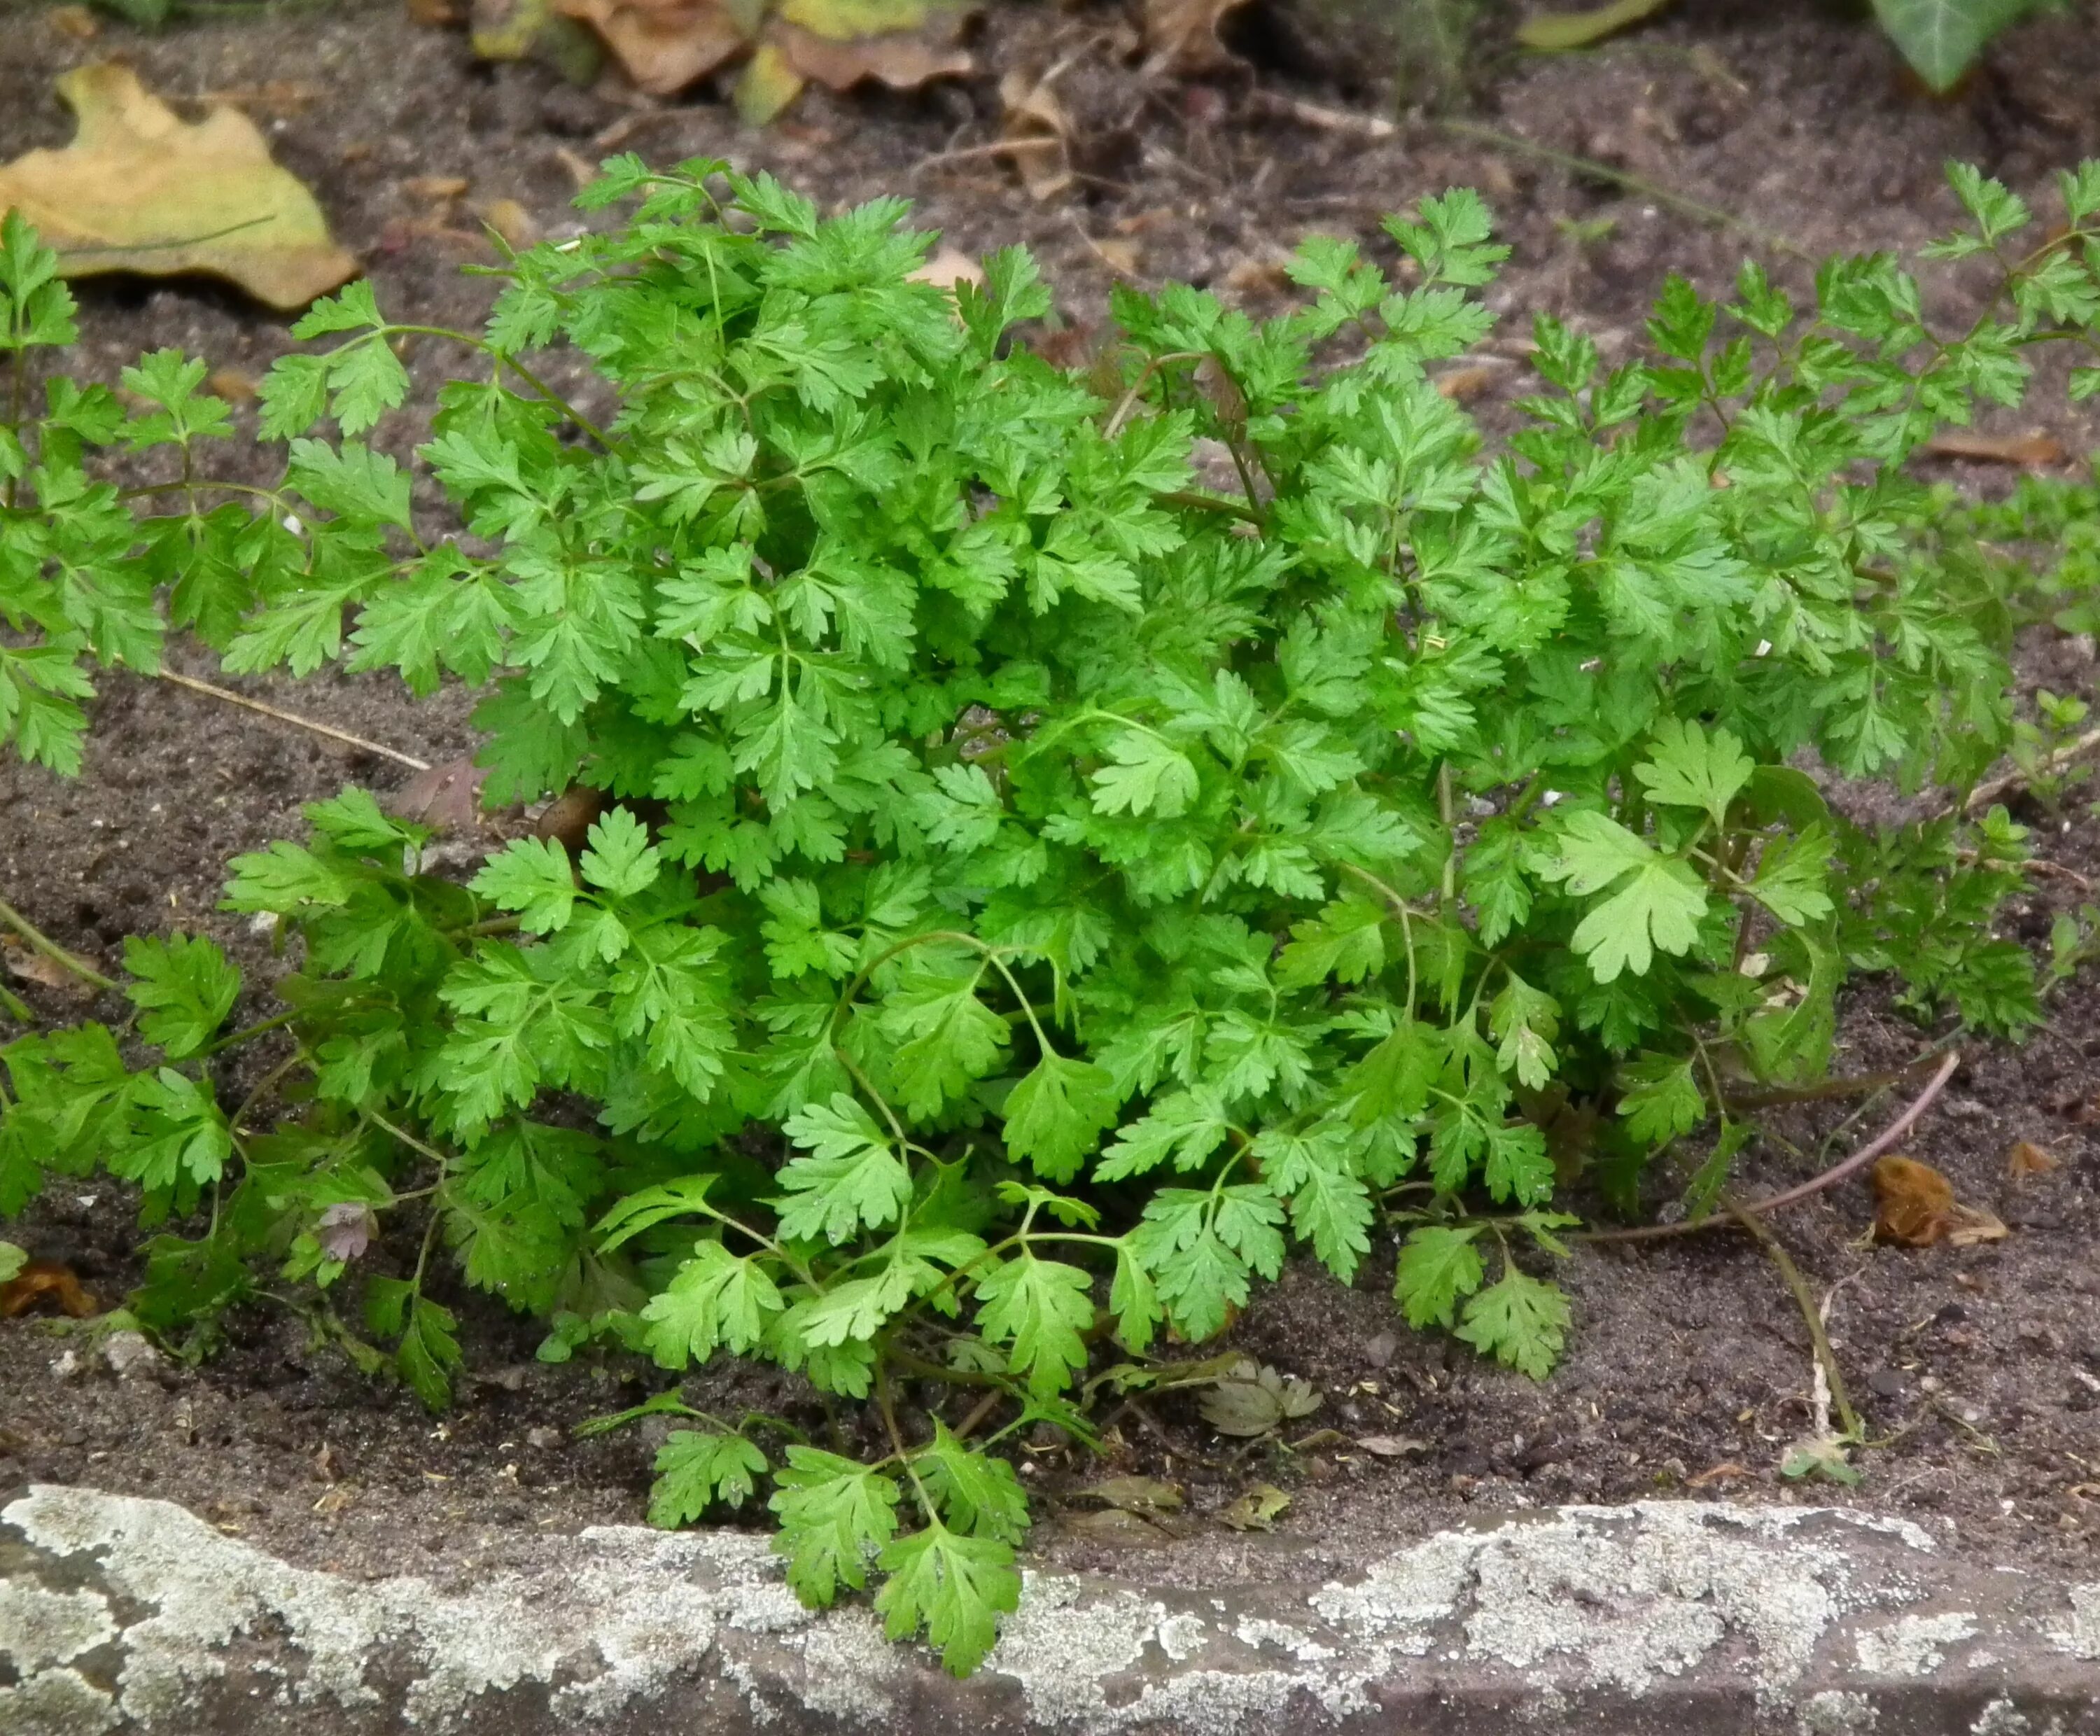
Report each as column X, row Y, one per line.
column 183, row 990
column 1656, row 901
column 956, row 1587
column 1056, row 1115
column 696, row 1468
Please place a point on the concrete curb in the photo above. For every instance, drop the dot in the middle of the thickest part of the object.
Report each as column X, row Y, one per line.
column 118, row 1614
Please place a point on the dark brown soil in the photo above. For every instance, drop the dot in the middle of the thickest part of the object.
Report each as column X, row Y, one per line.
column 1689, row 1370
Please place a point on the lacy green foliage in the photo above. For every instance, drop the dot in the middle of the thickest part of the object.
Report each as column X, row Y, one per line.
column 1038, row 885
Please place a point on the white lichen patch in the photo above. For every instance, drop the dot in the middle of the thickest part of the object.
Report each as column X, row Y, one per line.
column 623, row 1623
column 39, row 1627
column 56, row 1702
column 2081, row 1638
column 1838, row 1712
column 1913, row 1645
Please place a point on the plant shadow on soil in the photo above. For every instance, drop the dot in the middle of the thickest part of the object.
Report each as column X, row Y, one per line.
column 1688, row 1368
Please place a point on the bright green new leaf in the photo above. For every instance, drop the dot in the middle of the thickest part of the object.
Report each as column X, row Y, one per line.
column 1056, row 1115
column 955, row 1586
column 183, row 989
column 696, row 1468
column 1655, row 904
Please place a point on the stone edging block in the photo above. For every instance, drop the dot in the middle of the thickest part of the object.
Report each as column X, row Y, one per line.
column 120, row 1615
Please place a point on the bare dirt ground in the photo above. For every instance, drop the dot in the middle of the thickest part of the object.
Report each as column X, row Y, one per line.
column 1977, row 1369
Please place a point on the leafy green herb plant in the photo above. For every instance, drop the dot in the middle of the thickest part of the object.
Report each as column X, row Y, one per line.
column 1066, row 837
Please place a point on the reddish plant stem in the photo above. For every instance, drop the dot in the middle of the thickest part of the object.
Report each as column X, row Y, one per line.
column 1733, row 1218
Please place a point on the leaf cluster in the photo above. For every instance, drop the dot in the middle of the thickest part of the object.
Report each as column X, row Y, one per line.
column 1066, row 836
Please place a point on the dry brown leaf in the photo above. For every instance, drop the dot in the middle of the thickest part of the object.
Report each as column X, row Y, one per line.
column 28, row 966
column 569, row 817
column 278, row 98
column 1257, row 1509
column 42, row 1278
column 1389, row 1445
column 2035, row 451
column 446, row 798
column 141, row 190
column 1462, row 384
column 949, row 267
column 1917, row 1208
column 435, row 189
column 1116, row 1526
column 1181, row 36
column 663, row 45
column 1727, row 1472
column 517, row 226
column 236, row 385
column 435, row 12
column 74, row 21
column 1137, row 1494
column 2027, row 1159
column 1258, row 277
column 1036, row 134
column 902, row 59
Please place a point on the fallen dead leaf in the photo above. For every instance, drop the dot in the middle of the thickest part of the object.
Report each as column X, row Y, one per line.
column 1460, row 385
column 1727, row 1472
column 768, row 84
column 1115, row 1526
column 2027, row 1159
column 949, row 267
column 567, row 819
column 665, row 45
column 141, row 190
column 1917, row 1208
column 335, row 1500
column 2035, row 451
column 1036, row 134
column 1181, row 36
column 28, row 966
column 40, row 1278
column 1258, row 277
column 446, row 798
column 1391, row 1445
column 74, row 21
column 1137, row 1494
column 1257, row 1509
column 278, row 98
column 435, row 12
column 345, row 1229
column 435, row 189
column 236, row 385
column 903, row 59
column 517, row 226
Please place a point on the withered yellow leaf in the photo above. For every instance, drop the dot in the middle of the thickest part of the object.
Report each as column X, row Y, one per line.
column 1916, row 1206
column 139, row 189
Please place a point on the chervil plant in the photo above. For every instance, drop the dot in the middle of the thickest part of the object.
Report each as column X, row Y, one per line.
column 1066, row 836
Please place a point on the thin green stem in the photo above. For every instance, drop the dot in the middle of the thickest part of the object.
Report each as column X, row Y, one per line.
column 70, row 962
column 505, row 360
column 1620, row 178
